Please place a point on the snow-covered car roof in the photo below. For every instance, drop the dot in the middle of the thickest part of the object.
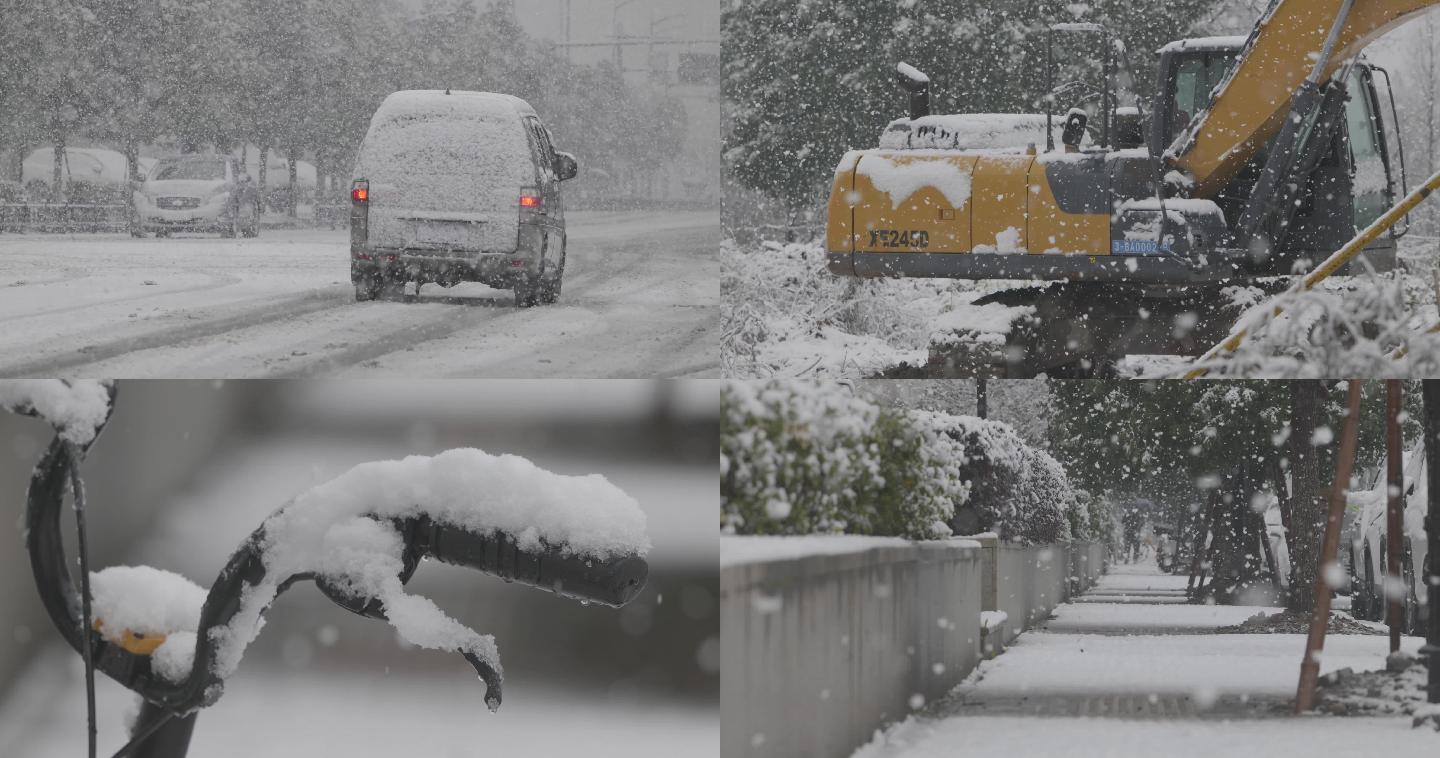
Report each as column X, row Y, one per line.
column 452, row 101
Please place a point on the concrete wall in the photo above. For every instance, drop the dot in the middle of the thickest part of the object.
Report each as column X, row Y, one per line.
column 820, row 651
column 1087, row 563
column 1028, row 581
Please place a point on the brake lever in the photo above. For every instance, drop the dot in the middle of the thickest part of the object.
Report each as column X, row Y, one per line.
column 612, row 582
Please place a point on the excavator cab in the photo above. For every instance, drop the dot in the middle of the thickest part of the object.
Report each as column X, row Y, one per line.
column 1354, row 159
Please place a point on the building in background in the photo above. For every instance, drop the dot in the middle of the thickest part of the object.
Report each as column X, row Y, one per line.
column 672, row 46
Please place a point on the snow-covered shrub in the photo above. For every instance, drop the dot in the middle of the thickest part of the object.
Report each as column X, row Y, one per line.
column 1373, row 326
column 1090, row 518
column 1016, row 490
column 800, row 457
column 803, row 457
column 783, row 313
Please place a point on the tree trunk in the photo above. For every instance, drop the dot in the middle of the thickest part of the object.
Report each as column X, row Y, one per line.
column 57, row 192
column 1308, row 508
column 264, row 166
column 1238, row 555
column 294, row 186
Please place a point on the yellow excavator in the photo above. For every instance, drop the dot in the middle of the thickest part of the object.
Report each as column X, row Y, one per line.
column 1257, row 158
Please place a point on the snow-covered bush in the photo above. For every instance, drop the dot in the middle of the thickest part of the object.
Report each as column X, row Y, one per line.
column 801, row 457
column 1090, row 518
column 1016, row 490
column 1374, row 326
column 783, row 314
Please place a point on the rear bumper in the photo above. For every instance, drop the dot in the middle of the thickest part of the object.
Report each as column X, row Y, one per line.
column 1218, row 265
column 500, row 268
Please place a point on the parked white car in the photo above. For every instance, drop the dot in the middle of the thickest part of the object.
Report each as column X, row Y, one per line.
column 196, row 193
column 1367, row 553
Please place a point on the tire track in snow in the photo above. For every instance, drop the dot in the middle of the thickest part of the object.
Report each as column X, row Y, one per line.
column 266, row 311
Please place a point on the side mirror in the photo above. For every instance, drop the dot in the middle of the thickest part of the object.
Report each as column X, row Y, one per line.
column 565, row 166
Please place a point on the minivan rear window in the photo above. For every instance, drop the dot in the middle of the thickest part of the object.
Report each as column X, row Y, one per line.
column 444, row 158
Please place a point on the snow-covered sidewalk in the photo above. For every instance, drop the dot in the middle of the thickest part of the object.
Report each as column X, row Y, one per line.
column 1127, row 669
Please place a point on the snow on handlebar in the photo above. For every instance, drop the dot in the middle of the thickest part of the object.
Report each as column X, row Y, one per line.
column 359, row 536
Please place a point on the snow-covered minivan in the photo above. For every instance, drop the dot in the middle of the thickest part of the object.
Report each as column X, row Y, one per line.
column 1367, row 555
column 456, row 187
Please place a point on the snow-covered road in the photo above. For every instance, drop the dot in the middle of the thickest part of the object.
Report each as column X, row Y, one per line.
column 641, row 298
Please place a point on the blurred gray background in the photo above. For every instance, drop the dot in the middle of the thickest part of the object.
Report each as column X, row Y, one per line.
column 187, row 469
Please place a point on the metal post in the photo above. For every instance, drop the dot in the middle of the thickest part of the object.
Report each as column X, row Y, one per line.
column 1320, row 616
column 158, row 734
column 1432, row 530
column 1106, row 101
column 1049, row 90
column 1394, row 507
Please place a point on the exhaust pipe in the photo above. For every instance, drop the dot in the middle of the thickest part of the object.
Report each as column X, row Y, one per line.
column 915, row 82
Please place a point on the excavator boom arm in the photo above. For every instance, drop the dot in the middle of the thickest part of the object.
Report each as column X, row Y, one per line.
column 1251, row 105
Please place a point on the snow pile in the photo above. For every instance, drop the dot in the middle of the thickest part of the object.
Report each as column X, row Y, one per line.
column 328, row 531
column 1298, row 622
column 993, row 619
column 783, row 314
column 1006, row 241
column 1374, row 325
column 802, row 457
column 988, row 323
column 1398, row 689
column 901, row 176
column 76, row 408
column 1014, row 132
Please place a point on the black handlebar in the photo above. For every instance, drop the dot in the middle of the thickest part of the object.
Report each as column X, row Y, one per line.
column 611, row 582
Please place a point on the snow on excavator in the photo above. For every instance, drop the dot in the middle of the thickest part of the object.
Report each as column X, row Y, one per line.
column 1258, row 157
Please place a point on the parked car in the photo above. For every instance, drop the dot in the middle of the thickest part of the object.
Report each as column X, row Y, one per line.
column 1367, row 553
column 456, row 187
column 196, row 193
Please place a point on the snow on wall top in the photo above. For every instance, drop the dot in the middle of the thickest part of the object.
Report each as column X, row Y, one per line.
column 75, row 408
column 740, row 550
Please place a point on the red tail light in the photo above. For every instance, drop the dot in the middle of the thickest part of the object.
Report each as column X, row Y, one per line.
column 529, row 201
column 360, row 191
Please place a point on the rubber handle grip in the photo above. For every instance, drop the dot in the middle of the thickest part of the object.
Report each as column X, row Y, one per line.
column 613, row 582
